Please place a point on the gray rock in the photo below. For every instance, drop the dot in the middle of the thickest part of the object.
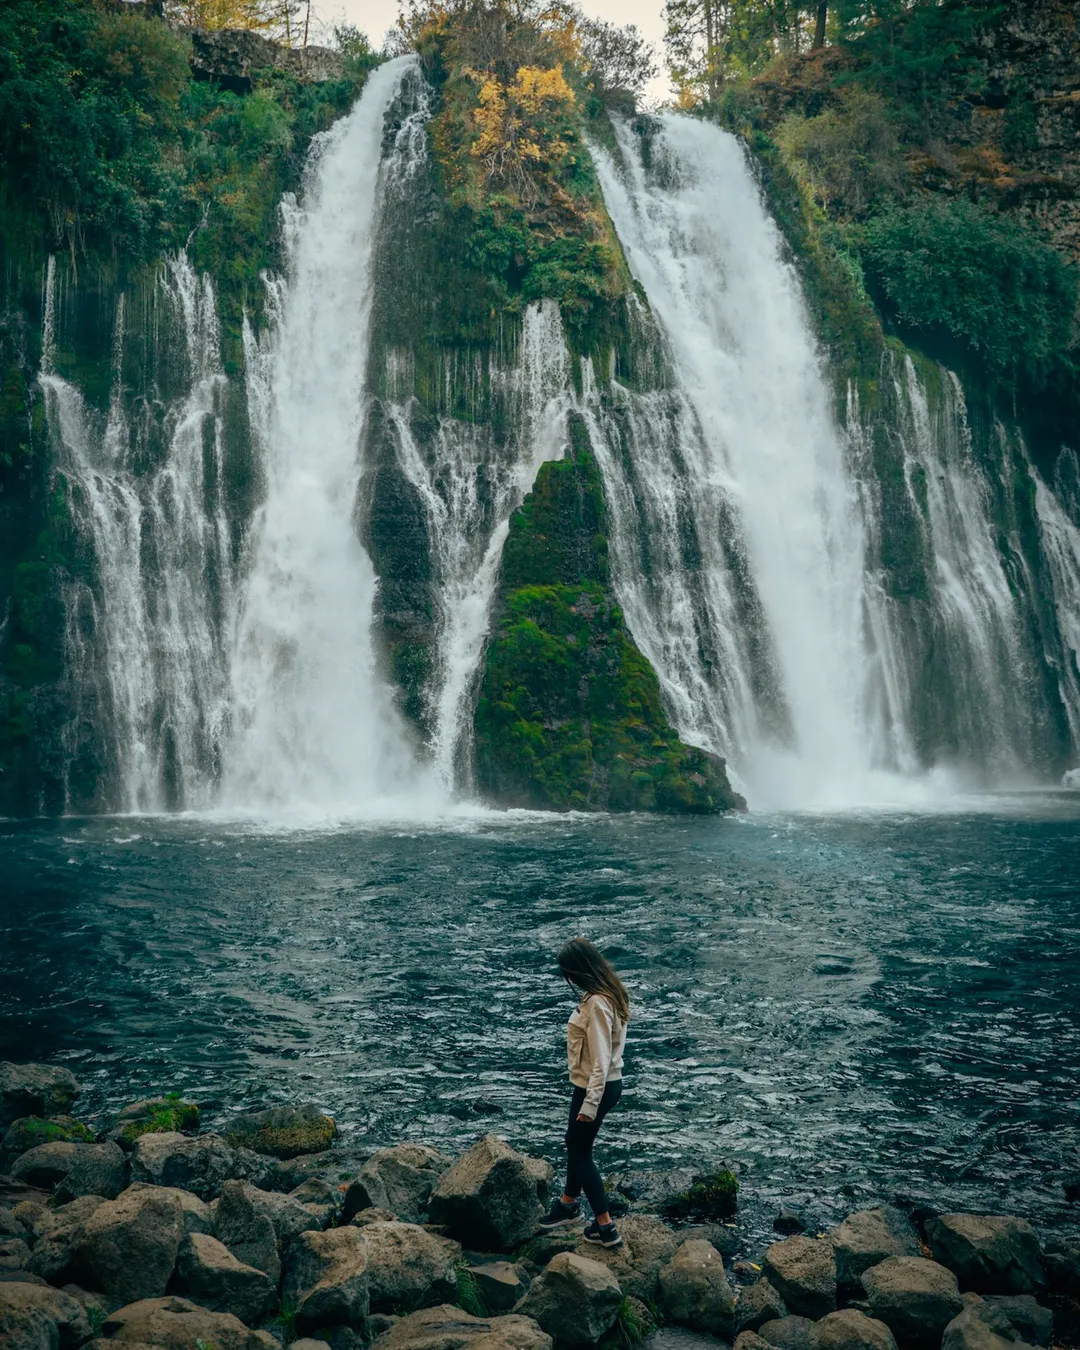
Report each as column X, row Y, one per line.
column 851, row 1330
column 198, row 1217
column 57, row 1235
column 282, row 1131
column 757, row 1303
column 789, row 1222
column 803, row 1271
column 749, row 1340
column 307, row 1343
column 243, row 1224
column 200, row 1165
column 209, row 1274
column 915, row 1298
column 10, row 1226
column 73, row 1169
column 175, row 1323
column 34, row 1090
column 448, row 1328
column 408, row 1267
column 980, row 1327
column 321, row 1200
column 34, row 1317
column 648, row 1244
column 398, row 1179
column 787, row 1333
column 1061, row 1257
column 574, row 1300
column 96, row 1306
column 20, row 1277
column 501, row 1284
column 1033, row 1322
column 373, row 1215
column 326, row 1279
column 29, row 1131
column 682, row 1338
column 128, row 1246
column 236, row 58
column 14, row 1254
column 865, row 1239
column 651, row 1191
column 988, row 1253
column 696, row 1291
column 488, row 1198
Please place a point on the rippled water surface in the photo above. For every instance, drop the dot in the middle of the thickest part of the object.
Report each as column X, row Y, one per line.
column 845, row 1006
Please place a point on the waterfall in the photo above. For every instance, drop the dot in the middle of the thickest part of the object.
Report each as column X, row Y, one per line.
column 314, row 727
column 1061, row 545
column 762, row 465
column 145, row 632
column 469, row 484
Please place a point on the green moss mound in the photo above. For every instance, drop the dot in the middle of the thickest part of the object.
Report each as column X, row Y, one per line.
column 282, row 1131
column 157, row 1115
column 31, row 1131
column 712, row 1196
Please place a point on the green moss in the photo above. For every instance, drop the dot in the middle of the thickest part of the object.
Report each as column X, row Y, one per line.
column 468, row 1295
column 711, row 1197
column 163, row 1115
column 634, row 1322
column 30, row 1131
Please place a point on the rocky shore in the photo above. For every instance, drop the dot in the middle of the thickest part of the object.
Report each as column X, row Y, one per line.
column 264, row 1235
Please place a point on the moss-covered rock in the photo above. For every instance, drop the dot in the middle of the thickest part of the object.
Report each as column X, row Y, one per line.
column 569, row 715
column 282, row 1131
column 155, row 1115
column 30, row 1131
column 713, row 1195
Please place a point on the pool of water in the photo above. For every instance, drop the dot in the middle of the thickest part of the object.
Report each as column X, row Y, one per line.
column 845, row 1006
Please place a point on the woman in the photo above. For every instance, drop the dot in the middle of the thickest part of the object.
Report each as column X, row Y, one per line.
column 595, row 1037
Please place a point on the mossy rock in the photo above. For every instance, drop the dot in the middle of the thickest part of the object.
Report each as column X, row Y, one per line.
column 30, row 1131
column 154, row 1115
column 282, row 1131
column 714, row 1195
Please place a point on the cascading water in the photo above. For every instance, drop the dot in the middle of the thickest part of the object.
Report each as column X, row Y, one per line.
column 1061, row 547
column 146, row 636
column 314, row 727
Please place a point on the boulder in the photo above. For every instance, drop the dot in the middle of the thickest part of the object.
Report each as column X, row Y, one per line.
column 980, row 1326
column 282, row 1131
column 200, row 1165
column 574, row 1300
column 30, row 1131
column 210, row 1275
column 1061, row 1257
column 789, row 1222
column 408, row 1267
column 326, row 1279
column 58, row 1234
column 803, row 1271
column 398, row 1179
column 198, row 1217
column 723, row 1236
column 488, row 1198
column 757, row 1303
column 321, row 1200
column 128, row 1246
column 35, row 1317
column 750, row 1340
column 648, row 1244
column 14, row 1254
column 243, row 1224
column 73, row 1169
column 851, row 1330
column 1032, row 1322
column 154, row 1115
column 865, row 1239
column 10, row 1225
column 501, row 1284
column 915, row 1298
column 175, row 1323
column 373, row 1215
column 448, row 1328
column 787, row 1333
column 34, row 1090
column 991, row 1254
column 695, row 1289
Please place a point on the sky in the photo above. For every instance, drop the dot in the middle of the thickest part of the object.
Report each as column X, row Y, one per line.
column 374, row 17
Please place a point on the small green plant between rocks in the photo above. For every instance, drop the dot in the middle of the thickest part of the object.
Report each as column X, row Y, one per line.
column 468, row 1294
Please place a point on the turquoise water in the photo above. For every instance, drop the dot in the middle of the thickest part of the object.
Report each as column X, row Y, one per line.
column 846, row 1006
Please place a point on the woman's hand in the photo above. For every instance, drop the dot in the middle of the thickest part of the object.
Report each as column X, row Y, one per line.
column 585, row 1120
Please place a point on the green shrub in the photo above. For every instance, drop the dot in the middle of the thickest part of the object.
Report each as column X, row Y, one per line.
column 710, row 1197
column 992, row 286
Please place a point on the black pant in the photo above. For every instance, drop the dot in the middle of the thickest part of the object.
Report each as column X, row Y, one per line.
column 581, row 1172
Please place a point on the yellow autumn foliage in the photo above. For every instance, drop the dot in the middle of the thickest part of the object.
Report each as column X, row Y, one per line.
column 518, row 125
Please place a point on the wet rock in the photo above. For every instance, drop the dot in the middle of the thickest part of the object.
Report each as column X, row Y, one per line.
column 209, row 1274
column 788, row 1222
column 153, row 1115
column 198, row 1217
column 20, row 1277
column 915, row 1298
column 200, row 1165
column 758, row 1303
column 34, row 1090
column 1061, row 1258
column 787, row 1333
column 448, row 1328
column 851, row 1330
column 695, row 1289
column 750, row 1340
column 10, row 1225
column 398, row 1179
column 35, row 1317
column 378, row 1324
column 723, row 1236
column 282, row 1131
column 1032, row 1322
column 648, row 1244
column 321, row 1200
column 865, row 1239
column 501, row 1284
column 30, row 1131
column 244, row 1225
column 326, row 1279
column 574, row 1300
column 488, row 1198
column 803, row 1271
column 175, row 1323
column 988, row 1253
column 745, row 1272
column 73, row 1169
column 236, row 58
column 539, row 1250
column 651, row 1190
column 408, row 1266
column 336, row 1166
column 14, row 1254
column 57, row 1236
column 373, row 1215
column 96, row 1306
column 128, row 1246
column 980, row 1326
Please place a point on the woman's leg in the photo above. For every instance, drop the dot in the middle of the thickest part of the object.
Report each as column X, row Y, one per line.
column 573, row 1173
column 582, row 1172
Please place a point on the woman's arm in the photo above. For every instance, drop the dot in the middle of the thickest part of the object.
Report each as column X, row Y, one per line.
column 599, row 1031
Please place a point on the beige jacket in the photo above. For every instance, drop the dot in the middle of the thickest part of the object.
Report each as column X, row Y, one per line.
column 595, row 1039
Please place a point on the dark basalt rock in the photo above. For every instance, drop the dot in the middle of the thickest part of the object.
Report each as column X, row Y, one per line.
column 990, row 1253
column 34, row 1090
column 282, row 1131
column 234, row 57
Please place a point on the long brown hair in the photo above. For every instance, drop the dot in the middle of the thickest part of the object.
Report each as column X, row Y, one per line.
column 583, row 967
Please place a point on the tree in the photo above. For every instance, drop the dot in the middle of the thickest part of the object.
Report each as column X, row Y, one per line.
column 708, row 41
column 617, row 59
